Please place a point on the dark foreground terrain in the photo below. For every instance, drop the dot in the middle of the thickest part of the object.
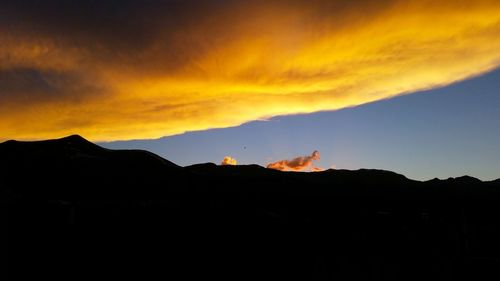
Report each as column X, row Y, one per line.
column 73, row 210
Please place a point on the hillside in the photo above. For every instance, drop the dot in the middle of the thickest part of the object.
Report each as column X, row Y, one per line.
column 74, row 209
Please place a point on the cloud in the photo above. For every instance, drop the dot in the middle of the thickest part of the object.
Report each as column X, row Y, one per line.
column 32, row 86
column 228, row 160
column 317, row 169
column 297, row 164
column 129, row 69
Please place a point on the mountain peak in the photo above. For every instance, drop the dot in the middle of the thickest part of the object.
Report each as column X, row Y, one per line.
column 75, row 137
column 467, row 179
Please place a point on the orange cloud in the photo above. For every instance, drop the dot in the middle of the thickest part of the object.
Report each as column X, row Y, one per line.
column 212, row 66
column 317, row 169
column 297, row 164
column 228, row 160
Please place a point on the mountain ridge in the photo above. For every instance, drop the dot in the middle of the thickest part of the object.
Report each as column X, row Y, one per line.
column 133, row 213
column 75, row 149
column 73, row 167
column 76, row 143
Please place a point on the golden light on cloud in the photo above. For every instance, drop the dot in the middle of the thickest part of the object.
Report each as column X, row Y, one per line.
column 228, row 160
column 234, row 64
column 302, row 163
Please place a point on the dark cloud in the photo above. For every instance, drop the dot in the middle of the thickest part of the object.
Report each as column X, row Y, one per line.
column 29, row 85
column 178, row 32
column 17, row 82
column 112, row 27
column 106, row 31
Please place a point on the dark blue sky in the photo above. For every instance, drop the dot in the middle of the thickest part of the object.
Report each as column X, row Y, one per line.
column 446, row 132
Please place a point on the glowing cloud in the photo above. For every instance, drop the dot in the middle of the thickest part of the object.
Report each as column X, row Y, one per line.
column 317, row 169
column 297, row 164
column 158, row 68
column 228, row 160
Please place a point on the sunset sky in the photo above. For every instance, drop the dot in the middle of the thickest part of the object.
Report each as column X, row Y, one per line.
column 408, row 86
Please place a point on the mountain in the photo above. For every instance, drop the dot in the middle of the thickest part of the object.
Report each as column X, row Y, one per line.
column 73, row 166
column 76, row 210
column 75, row 150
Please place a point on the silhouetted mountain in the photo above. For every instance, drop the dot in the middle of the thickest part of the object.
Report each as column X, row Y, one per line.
column 75, row 150
column 74, row 209
column 78, row 166
column 73, row 166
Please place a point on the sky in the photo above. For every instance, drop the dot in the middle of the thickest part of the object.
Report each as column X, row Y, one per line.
column 123, row 70
column 446, row 132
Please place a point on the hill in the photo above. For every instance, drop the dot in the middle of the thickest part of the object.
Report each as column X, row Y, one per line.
column 76, row 210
